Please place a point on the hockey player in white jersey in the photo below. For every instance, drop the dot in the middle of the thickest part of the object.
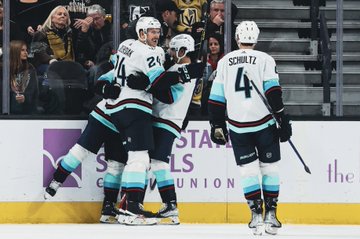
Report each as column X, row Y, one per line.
column 253, row 132
column 167, row 124
column 131, row 111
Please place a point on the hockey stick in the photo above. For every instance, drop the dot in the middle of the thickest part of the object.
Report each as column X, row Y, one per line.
column 306, row 168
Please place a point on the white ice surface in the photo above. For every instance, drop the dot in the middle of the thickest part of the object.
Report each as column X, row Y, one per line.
column 183, row 231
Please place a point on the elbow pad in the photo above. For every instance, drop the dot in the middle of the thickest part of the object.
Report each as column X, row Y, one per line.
column 274, row 97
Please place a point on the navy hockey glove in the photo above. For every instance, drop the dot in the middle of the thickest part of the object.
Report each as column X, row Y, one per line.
column 219, row 133
column 285, row 129
column 191, row 71
column 111, row 90
column 138, row 82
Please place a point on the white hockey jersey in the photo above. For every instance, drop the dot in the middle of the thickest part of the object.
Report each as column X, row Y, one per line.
column 171, row 116
column 100, row 113
column 232, row 86
column 135, row 56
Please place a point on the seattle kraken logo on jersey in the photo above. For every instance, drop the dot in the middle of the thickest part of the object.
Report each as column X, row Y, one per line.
column 137, row 11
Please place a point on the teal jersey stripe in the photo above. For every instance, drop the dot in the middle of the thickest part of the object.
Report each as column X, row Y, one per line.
column 162, row 175
column 270, row 83
column 252, row 188
column 217, row 98
column 249, row 181
column 168, row 128
column 165, row 183
column 154, row 73
column 251, row 129
column 270, row 180
column 104, row 121
column 138, row 177
column 132, row 106
column 111, row 185
column 217, row 89
column 272, row 188
column 70, row 162
column 109, row 76
column 177, row 91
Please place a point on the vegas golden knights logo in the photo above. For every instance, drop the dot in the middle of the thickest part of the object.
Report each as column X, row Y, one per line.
column 189, row 17
column 137, row 11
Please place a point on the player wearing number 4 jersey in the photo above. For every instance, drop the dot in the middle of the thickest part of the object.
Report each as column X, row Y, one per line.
column 253, row 132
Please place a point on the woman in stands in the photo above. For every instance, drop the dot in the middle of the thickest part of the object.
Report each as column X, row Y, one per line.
column 56, row 37
column 23, row 81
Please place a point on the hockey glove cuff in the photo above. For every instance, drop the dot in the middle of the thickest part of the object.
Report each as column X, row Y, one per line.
column 191, row 71
column 285, row 129
column 138, row 82
column 219, row 133
column 111, row 90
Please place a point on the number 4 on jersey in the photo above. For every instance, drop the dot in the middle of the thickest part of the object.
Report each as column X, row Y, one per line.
column 239, row 86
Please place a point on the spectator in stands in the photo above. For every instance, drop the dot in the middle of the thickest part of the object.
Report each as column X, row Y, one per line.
column 216, row 20
column 167, row 14
column 54, row 41
column 23, row 81
column 93, row 35
column 216, row 52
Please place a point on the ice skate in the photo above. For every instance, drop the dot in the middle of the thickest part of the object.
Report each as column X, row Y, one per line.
column 109, row 213
column 272, row 224
column 257, row 222
column 168, row 214
column 135, row 215
column 51, row 190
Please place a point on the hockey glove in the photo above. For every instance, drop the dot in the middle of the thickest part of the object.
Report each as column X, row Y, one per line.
column 111, row 91
column 285, row 129
column 219, row 133
column 138, row 82
column 191, row 71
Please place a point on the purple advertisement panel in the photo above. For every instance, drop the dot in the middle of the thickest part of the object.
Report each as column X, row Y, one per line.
column 56, row 144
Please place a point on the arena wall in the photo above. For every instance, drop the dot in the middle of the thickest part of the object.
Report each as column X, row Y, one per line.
column 206, row 176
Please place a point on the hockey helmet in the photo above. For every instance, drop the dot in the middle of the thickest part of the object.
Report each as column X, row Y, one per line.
column 247, row 32
column 144, row 23
column 182, row 41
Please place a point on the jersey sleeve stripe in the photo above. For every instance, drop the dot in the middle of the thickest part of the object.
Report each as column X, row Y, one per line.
column 270, row 83
column 155, row 74
column 216, row 103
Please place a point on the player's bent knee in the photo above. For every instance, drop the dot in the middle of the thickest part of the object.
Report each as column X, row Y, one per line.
column 138, row 159
column 249, row 169
column 157, row 165
column 269, row 168
column 79, row 152
column 115, row 168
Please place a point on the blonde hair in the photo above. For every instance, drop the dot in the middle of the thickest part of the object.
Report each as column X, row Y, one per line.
column 48, row 22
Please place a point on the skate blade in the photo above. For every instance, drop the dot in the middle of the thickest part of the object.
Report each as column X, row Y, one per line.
column 47, row 196
column 108, row 219
column 258, row 230
column 139, row 221
column 168, row 221
column 269, row 229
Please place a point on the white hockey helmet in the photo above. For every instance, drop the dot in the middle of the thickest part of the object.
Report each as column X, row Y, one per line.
column 247, row 32
column 182, row 41
column 144, row 23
